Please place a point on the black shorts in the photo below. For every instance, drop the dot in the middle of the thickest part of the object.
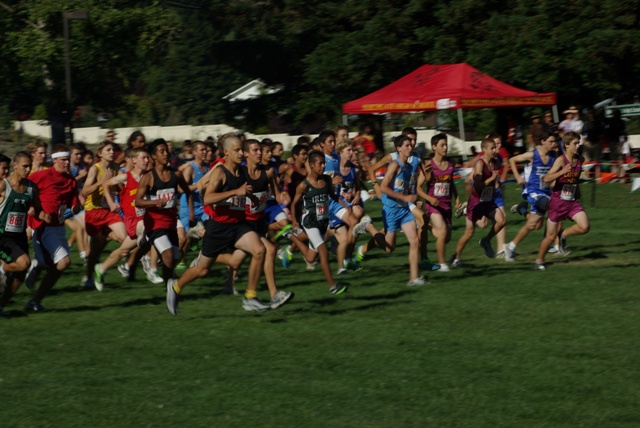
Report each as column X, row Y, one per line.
column 260, row 227
column 13, row 246
column 162, row 239
column 221, row 238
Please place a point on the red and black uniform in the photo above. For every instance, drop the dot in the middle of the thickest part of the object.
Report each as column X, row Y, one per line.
column 481, row 204
column 162, row 221
column 257, row 202
column 228, row 218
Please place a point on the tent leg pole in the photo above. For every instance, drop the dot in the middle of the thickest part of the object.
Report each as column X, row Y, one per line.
column 462, row 136
column 556, row 116
column 345, row 119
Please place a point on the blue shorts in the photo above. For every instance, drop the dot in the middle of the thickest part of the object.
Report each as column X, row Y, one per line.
column 394, row 217
column 498, row 199
column 273, row 210
column 539, row 203
column 334, row 208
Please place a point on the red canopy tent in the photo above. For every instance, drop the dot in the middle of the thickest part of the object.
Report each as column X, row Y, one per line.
column 446, row 87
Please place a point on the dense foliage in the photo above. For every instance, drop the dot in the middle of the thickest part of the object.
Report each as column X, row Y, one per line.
column 171, row 62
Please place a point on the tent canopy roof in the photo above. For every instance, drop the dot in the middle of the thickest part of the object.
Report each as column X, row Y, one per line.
column 445, row 87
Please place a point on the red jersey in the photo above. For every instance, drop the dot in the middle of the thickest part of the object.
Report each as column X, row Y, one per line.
column 58, row 191
column 128, row 198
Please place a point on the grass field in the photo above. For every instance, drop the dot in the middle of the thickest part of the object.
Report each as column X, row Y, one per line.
column 493, row 344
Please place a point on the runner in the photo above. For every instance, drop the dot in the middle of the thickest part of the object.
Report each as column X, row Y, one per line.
column 534, row 190
column 315, row 192
column 158, row 194
column 17, row 195
column 57, row 192
column 227, row 230
column 481, row 202
column 102, row 220
column 441, row 189
column 565, row 197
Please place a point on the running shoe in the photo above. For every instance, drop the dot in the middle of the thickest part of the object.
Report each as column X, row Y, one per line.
column 254, row 305
column 98, row 278
column 486, row 246
column 514, row 209
column 540, row 266
column 510, row 251
column 338, row 289
column 124, row 270
column 444, row 268
column 312, row 265
column 153, row 277
column 231, row 291
column 3, row 282
column 87, row 283
column 287, row 257
column 462, row 210
column 361, row 227
column 553, row 249
column 359, row 255
column 285, row 232
column 32, row 275
column 426, row 264
column 562, row 245
column 33, row 306
column 146, row 263
column 342, row 271
column 417, row 282
column 280, row 298
column 181, row 267
column 500, row 254
column 456, row 263
column 279, row 254
column 172, row 298
column 354, row 265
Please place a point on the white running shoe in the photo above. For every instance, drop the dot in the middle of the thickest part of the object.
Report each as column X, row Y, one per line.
column 311, row 266
column 195, row 261
column 456, row 263
column 254, row 305
column 124, row 270
column 510, row 251
column 444, row 267
column 152, row 275
column 280, row 298
column 146, row 263
column 172, row 298
column 361, row 227
column 540, row 266
column 418, row 281
column 462, row 210
column 194, row 232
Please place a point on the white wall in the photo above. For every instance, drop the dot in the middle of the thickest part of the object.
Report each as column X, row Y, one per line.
column 95, row 135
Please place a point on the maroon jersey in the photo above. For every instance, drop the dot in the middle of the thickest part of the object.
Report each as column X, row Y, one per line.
column 441, row 184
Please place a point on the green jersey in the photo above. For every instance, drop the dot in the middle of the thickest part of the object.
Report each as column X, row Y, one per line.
column 316, row 204
column 14, row 208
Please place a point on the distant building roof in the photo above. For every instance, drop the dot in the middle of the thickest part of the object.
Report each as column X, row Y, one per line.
column 251, row 90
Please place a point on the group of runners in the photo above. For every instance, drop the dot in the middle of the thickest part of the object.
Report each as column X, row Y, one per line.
column 249, row 201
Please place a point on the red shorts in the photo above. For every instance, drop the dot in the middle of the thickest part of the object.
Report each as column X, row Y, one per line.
column 99, row 220
column 131, row 223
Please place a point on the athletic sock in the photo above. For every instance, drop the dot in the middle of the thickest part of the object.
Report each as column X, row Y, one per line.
column 250, row 294
column 176, row 288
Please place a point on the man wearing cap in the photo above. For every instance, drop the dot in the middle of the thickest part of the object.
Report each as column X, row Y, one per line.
column 58, row 191
column 572, row 121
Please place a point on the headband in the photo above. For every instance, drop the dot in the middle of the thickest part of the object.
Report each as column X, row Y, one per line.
column 60, row 155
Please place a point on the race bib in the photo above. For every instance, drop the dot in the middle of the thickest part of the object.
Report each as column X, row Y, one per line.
column 61, row 211
column 543, row 185
column 140, row 211
column 168, row 195
column 259, row 205
column 237, row 203
column 568, row 192
column 322, row 210
column 15, row 222
column 487, row 194
column 441, row 189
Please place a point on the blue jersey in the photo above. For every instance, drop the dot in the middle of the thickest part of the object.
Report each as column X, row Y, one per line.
column 198, row 208
column 404, row 182
column 331, row 165
column 539, row 169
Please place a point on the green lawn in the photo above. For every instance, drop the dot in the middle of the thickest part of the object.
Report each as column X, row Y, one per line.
column 493, row 344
